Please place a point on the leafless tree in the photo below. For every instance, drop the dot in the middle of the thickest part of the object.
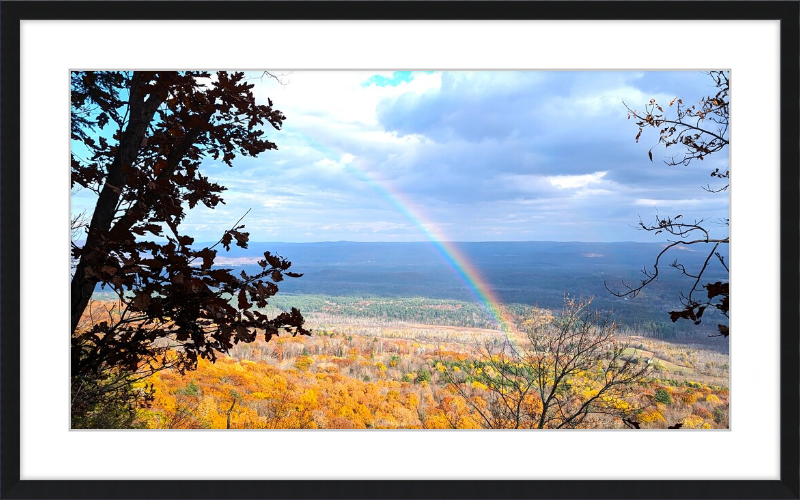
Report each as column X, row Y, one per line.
column 566, row 371
column 698, row 130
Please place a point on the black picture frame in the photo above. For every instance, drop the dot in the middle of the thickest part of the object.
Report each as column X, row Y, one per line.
column 12, row 487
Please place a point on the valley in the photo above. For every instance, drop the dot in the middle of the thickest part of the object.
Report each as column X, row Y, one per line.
column 362, row 371
column 403, row 338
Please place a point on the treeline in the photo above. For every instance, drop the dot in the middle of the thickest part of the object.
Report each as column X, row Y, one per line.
column 636, row 319
column 408, row 310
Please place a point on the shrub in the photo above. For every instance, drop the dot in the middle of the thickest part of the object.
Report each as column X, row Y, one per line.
column 651, row 416
column 702, row 411
column 191, row 389
column 303, row 363
column 423, row 376
column 663, row 396
column 108, row 400
column 692, row 422
column 690, row 398
column 720, row 415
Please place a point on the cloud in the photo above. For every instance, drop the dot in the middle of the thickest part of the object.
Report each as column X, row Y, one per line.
column 656, row 203
column 481, row 155
column 576, row 181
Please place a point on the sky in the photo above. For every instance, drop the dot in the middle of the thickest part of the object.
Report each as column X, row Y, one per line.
column 460, row 156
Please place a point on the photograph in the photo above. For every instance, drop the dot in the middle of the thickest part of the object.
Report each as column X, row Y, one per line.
column 413, row 249
column 384, row 250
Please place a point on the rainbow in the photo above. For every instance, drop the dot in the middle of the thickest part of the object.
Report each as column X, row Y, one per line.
column 448, row 251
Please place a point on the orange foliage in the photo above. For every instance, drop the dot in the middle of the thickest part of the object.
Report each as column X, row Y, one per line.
column 307, row 383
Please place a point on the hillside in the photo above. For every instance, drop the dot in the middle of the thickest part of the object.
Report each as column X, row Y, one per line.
column 375, row 373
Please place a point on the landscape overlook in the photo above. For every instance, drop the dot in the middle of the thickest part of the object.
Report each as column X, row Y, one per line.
column 400, row 250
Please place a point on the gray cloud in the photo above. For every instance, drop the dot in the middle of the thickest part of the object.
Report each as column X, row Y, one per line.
column 485, row 155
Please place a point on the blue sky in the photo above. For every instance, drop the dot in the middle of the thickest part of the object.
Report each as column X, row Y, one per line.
column 472, row 156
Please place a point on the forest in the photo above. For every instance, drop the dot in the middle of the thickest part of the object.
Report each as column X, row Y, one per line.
column 407, row 363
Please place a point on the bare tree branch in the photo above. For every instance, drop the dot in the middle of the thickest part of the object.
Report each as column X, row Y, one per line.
column 689, row 129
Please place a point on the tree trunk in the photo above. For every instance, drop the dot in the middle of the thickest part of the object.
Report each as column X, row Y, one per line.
column 229, row 413
column 93, row 254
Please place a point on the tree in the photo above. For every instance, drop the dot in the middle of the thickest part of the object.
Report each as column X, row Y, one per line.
column 108, row 400
column 698, row 130
column 563, row 372
column 138, row 142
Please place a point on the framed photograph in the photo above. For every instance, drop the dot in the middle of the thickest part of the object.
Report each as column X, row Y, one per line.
column 440, row 164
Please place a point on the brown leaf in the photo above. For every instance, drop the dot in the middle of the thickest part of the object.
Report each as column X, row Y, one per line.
column 140, row 302
column 208, row 258
column 243, row 302
column 716, row 289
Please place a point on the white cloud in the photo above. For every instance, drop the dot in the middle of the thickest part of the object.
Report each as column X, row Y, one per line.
column 336, row 97
column 647, row 202
column 575, row 181
column 325, row 162
column 465, row 151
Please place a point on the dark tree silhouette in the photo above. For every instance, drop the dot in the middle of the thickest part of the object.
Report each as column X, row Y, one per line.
column 632, row 424
column 138, row 141
column 696, row 131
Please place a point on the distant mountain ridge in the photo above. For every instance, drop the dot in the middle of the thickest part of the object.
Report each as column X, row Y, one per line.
column 528, row 272
column 533, row 272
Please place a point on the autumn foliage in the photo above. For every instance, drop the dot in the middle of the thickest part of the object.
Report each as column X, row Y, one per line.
column 343, row 377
